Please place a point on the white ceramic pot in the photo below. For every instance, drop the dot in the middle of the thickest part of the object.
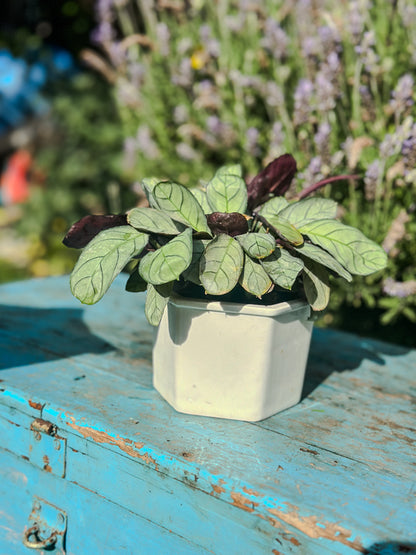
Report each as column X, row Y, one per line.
column 228, row 360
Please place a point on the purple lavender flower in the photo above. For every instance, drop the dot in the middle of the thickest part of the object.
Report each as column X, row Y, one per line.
column 303, row 101
column 402, row 96
column 116, row 53
column 207, row 95
column 104, row 10
column 180, row 114
column 277, row 137
column 163, row 39
column 372, row 179
column 400, row 289
column 182, row 75
column 246, row 81
column 146, row 144
column 246, row 6
column 252, row 144
column 408, row 151
column 367, row 103
column 274, row 94
column 311, row 47
column 321, row 140
column 126, row 94
column 325, row 92
column 313, row 173
column 214, row 125
column 367, row 54
column 333, row 64
column 103, row 33
column 219, row 131
column 327, row 82
column 355, row 21
column 275, row 39
column 184, row 46
column 143, row 143
column 276, row 141
column 186, row 152
column 303, row 15
column 330, row 40
column 396, row 232
column 211, row 45
column 235, row 23
column 388, row 146
column 408, row 14
column 130, row 153
column 137, row 73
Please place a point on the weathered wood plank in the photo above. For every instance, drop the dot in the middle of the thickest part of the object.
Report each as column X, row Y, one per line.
column 95, row 525
column 334, row 474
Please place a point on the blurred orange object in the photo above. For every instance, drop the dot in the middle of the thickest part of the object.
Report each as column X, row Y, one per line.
column 14, row 183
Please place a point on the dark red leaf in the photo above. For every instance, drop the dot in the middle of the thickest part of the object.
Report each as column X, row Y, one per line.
column 230, row 224
column 274, row 180
column 81, row 233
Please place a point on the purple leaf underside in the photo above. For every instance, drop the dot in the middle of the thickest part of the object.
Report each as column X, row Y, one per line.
column 81, row 232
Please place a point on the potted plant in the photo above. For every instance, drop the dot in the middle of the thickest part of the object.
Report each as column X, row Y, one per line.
column 232, row 273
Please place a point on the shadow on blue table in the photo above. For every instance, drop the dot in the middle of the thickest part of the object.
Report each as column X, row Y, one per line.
column 391, row 548
column 33, row 335
column 333, row 351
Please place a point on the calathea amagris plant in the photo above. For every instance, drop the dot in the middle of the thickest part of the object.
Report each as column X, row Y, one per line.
column 225, row 236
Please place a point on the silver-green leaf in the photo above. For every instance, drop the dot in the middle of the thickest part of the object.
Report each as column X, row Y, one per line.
column 181, row 205
column 358, row 254
column 103, row 259
column 231, row 169
column 316, row 285
column 153, row 221
column 254, row 278
column 157, row 298
column 227, row 192
column 168, row 262
column 283, row 268
column 257, row 245
column 192, row 272
column 285, row 230
column 148, row 184
column 273, row 207
column 319, row 255
column 221, row 265
column 201, row 197
column 308, row 210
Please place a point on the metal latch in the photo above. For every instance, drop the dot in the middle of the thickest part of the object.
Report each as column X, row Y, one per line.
column 46, row 528
column 47, row 449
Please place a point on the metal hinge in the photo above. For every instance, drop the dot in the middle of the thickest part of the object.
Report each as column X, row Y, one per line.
column 47, row 449
column 46, row 528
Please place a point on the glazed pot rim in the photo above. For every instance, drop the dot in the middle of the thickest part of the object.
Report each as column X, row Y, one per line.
column 238, row 308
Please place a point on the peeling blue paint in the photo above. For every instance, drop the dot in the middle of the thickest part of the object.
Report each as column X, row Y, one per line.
column 334, row 474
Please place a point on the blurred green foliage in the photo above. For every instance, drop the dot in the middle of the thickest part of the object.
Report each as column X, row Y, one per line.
column 76, row 171
column 193, row 85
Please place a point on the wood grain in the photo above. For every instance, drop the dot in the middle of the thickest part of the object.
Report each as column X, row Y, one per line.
column 334, row 474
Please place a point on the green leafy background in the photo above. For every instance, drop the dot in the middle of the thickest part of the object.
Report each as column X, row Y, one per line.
column 84, row 169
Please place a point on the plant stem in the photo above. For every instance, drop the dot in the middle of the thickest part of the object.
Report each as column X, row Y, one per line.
column 312, row 188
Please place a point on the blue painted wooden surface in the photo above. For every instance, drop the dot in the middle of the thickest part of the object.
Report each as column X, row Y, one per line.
column 335, row 474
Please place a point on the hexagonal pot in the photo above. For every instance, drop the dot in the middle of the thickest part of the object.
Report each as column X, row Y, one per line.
column 229, row 360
